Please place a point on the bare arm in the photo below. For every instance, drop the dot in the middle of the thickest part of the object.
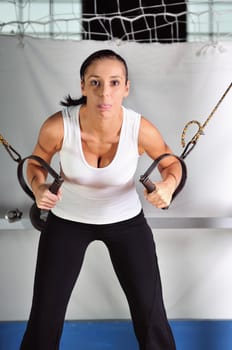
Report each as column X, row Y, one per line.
column 49, row 142
column 152, row 143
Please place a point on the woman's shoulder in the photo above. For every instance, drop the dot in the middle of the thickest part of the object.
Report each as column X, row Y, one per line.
column 53, row 122
column 148, row 125
column 149, row 136
column 53, row 129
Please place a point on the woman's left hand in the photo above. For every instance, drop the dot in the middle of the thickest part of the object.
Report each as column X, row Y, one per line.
column 161, row 197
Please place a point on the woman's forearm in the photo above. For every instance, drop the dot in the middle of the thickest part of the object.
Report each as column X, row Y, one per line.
column 36, row 176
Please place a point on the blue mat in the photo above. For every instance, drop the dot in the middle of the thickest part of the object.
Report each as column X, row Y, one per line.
column 119, row 335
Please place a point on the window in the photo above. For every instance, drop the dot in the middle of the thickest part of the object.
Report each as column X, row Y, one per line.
column 52, row 18
column 209, row 20
column 206, row 20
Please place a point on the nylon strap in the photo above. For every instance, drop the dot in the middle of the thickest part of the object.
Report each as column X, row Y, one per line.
column 45, row 165
column 145, row 177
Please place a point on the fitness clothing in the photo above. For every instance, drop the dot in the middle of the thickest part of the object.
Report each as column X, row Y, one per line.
column 111, row 189
column 61, row 252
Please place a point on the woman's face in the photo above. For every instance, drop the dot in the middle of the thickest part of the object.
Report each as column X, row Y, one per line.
column 104, row 84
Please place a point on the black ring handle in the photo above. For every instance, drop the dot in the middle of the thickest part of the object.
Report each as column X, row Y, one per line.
column 147, row 183
column 150, row 186
column 54, row 188
column 58, row 180
column 38, row 216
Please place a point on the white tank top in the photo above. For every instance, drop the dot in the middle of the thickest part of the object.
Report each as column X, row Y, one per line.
column 98, row 195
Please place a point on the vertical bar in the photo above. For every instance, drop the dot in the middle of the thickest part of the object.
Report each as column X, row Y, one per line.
column 51, row 17
column 211, row 29
column 20, row 17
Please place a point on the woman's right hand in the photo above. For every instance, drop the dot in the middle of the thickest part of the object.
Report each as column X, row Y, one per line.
column 45, row 199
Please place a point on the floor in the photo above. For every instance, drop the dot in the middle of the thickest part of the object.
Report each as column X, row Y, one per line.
column 118, row 335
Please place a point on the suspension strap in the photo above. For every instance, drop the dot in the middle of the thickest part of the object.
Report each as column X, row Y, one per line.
column 144, row 179
column 57, row 178
column 150, row 186
column 192, row 143
column 11, row 151
column 17, row 158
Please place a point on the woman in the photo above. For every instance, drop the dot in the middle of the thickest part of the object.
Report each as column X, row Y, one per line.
column 99, row 142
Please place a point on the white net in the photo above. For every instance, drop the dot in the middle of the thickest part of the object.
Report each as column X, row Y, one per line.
column 167, row 21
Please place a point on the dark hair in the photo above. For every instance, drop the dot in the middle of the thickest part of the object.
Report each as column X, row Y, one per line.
column 98, row 55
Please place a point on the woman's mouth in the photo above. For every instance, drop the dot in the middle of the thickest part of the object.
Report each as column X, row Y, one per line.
column 104, row 106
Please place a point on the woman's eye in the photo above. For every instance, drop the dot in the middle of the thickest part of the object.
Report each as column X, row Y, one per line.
column 95, row 83
column 115, row 82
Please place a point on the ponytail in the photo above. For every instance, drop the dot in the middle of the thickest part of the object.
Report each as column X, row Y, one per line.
column 69, row 101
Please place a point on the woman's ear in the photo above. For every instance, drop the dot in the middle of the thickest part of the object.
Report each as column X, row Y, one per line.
column 83, row 88
column 127, row 89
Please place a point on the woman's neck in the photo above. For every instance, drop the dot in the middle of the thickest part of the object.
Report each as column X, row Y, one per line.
column 98, row 125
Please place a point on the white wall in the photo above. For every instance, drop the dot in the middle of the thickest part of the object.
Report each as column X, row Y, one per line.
column 171, row 84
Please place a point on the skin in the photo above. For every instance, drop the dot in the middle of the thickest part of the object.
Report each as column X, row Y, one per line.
column 105, row 86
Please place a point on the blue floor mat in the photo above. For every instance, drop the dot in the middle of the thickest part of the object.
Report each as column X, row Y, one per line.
column 119, row 335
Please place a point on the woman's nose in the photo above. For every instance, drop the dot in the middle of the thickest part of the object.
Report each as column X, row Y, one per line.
column 105, row 89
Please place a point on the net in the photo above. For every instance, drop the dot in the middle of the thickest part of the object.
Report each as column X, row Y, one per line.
column 166, row 21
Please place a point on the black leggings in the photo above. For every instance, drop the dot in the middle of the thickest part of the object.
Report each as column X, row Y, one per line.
column 61, row 252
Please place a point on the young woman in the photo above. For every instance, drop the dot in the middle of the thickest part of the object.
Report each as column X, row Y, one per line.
column 99, row 142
